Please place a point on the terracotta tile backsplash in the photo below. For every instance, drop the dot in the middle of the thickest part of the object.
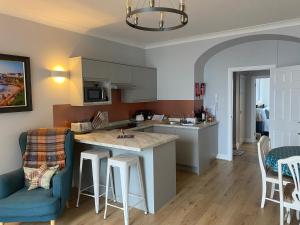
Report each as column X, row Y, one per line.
column 63, row 115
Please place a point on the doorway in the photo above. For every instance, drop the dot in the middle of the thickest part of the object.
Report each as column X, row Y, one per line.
column 245, row 100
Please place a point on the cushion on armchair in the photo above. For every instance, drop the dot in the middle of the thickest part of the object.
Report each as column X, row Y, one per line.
column 24, row 203
column 40, row 177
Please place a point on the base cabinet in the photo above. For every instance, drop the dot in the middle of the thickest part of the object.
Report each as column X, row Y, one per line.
column 195, row 148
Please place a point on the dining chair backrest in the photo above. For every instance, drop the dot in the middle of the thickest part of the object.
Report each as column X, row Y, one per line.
column 263, row 147
column 293, row 164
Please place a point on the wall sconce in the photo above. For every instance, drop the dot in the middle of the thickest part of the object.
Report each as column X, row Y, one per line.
column 59, row 76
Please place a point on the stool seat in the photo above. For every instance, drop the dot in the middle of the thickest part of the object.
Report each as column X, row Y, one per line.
column 91, row 154
column 123, row 160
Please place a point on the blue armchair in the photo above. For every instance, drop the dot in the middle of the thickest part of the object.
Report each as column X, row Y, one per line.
column 19, row 205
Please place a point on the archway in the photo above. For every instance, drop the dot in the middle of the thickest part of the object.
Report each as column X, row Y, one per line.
column 216, row 81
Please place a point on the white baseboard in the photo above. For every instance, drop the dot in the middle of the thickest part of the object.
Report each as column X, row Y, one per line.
column 223, row 157
column 248, row 140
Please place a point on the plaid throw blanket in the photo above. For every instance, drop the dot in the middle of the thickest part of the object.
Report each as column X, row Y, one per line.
column 45, row 146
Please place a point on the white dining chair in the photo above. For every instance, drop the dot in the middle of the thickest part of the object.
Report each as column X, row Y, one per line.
column 267, row 175
column 289, row 194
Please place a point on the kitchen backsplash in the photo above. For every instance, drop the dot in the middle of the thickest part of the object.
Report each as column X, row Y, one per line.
column 63, row 115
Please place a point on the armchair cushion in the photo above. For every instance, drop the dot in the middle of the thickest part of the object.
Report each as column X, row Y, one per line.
column 23, row 203
column 11, row 182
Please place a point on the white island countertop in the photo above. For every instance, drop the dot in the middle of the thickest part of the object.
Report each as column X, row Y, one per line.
column 141, row 140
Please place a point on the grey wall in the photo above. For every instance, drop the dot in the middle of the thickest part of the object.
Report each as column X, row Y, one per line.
column 47, row 47
column 243, row 55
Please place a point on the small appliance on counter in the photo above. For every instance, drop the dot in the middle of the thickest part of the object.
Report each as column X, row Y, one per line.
column 81, row 127
column 147, row 114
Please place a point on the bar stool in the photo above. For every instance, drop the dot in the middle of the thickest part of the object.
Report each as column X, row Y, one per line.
column 124, row 162
column 95, row 156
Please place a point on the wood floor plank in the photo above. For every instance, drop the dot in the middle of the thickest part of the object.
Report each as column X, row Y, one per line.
column 228, row 194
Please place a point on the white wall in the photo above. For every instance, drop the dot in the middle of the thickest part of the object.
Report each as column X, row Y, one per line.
column 244, row 55
column 47, row 47
column 177, row 70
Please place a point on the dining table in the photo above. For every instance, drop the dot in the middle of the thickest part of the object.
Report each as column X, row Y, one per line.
column 276, row 154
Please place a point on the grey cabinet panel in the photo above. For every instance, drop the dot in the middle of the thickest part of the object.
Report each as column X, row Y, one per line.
column 96, row 69
column 121, row 74
column 144, row 81
column 164, row 130
column 187, row 147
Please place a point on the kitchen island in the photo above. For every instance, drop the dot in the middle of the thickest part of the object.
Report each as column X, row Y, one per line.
column 196, row 146
column 157, row 153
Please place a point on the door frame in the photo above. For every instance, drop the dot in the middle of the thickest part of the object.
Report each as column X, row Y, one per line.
column 231, row 70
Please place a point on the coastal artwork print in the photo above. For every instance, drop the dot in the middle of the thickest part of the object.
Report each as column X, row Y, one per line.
column 15, row 87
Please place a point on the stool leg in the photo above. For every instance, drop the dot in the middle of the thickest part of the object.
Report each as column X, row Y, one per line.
column 79, row 184
column 125, row 185
column 108, row 171
column 95, row 169
column 142, row 186
column 112, row 184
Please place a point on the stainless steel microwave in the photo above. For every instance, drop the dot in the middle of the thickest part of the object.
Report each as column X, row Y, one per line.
column 93, row 92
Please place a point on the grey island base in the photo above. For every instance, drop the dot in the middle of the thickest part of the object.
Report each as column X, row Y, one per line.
column 157, row 154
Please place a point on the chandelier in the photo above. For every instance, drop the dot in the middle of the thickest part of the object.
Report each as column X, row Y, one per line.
column 136, row 9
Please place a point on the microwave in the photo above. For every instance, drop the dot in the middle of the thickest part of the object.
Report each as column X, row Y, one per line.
column 95, row 93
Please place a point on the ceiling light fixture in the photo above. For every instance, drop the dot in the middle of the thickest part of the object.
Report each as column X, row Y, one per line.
column 136, row 8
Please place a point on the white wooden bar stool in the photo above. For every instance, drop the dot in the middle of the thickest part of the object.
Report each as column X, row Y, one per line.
column 124, row 163
column 95, row 156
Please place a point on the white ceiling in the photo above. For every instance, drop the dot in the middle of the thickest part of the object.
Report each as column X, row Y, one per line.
column 105, row 19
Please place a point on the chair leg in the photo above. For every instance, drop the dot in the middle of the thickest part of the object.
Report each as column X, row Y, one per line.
column 52, row 222
column 95, row 168
column 67, row 204
column 112, row 185
column 142, row 186
column 79, row 184
column 281, row 214
column 125, row 187
column 272, row 190
column 297, row 215
column 288, row 219
column 108, row 171
column 263, row 194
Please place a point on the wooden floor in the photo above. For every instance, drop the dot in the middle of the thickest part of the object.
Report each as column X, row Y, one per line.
column 228, row 194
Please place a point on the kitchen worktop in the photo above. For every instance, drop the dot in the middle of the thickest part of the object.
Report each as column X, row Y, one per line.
column 140, row 141
column 151, row 123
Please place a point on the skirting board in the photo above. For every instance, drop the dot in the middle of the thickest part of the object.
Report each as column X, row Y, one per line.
column 223, row 157
column 249, row 140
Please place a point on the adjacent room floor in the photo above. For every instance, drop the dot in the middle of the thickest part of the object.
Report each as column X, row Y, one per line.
column 228, row 194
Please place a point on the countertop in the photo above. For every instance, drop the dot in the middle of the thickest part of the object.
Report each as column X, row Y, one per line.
column 150, row 123
column 141, row 140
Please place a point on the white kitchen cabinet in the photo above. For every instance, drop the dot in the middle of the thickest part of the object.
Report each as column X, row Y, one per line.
column 144, row 82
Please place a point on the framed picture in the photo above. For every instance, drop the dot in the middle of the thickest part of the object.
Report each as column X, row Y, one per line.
column 15, row 84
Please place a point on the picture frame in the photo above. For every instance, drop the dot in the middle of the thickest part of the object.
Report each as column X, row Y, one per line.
column 15, row 84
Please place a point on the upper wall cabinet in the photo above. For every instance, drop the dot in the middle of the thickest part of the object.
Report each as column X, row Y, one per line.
column 144, row 82
column 97, row 69
column 138, row 84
